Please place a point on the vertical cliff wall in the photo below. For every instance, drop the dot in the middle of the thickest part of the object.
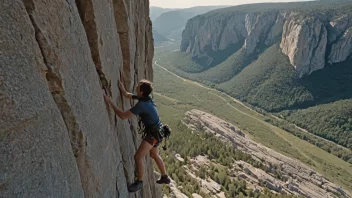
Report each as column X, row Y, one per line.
column 58, row 138
column 311, row 34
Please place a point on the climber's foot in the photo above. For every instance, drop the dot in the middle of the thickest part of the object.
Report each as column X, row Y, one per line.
column 164, row 180
column 136, row 186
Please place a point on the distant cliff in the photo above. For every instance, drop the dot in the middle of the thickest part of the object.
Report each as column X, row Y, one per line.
column 311, row 34
column 58, row 138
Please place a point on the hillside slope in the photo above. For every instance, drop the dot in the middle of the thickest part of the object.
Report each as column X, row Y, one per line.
column 268, row 80
column 158, row 37
column 155, row 12
column 171, row 24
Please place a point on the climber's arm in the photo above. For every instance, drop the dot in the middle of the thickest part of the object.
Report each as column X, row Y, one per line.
column 122, row 114
column 124, row 92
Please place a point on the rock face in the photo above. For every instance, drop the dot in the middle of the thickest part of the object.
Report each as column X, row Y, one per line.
column 341, row 50
column 309, row 38
column 256, row 26
column 58, row 138
column 304, row 41
column 203, row 35
column 297, row 178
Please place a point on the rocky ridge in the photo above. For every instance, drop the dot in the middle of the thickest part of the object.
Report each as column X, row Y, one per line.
column 309, row 38
column 58, row 138
column 297, row 178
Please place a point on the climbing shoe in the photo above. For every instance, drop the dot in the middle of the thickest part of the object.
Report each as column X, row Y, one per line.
column 136, row 186
column 164, row 180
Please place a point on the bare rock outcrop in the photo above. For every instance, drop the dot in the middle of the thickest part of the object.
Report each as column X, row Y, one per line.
column 175, row 192
column 341, row 50
column 204, row 35
column 340, row 39
column 196, row 195
column 297, row 178
column 338, row 26
column 256, row 26
column 304, row 41
column 57, row 136
column 276, row 30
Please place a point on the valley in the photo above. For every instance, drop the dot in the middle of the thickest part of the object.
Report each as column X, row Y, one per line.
column 165, row 56
column 280, row 75
column 175, row 96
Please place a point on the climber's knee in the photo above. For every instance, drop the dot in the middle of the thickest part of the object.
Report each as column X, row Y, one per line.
column 143, row 149
column 153, row 155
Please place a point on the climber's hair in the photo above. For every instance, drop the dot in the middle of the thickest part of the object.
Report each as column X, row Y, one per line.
column 146, row 87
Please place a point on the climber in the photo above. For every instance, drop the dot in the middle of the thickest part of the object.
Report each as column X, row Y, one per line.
column 146, row 109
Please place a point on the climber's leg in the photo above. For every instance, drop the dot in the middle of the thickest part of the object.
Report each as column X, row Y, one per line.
column 154, row 153
column 164, row 179
column 143, row 149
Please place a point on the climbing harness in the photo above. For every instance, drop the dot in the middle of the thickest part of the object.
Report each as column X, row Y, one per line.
column 166, row 132
column 159, row 133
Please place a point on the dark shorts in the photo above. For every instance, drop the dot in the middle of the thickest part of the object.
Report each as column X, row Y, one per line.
column 151, row 140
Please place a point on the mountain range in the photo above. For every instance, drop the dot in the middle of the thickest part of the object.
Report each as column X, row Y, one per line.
column 291, row 59
column 171, row 24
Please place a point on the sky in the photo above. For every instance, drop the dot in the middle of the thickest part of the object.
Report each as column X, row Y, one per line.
column 192, row 3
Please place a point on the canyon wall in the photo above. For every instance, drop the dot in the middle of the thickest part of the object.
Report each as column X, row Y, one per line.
column 58, row 138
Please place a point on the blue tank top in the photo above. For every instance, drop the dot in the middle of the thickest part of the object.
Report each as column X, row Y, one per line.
column 148, row 112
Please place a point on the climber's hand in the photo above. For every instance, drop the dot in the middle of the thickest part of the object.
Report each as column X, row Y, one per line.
column 122, row 88
column 107, row 99
column 123, row 91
